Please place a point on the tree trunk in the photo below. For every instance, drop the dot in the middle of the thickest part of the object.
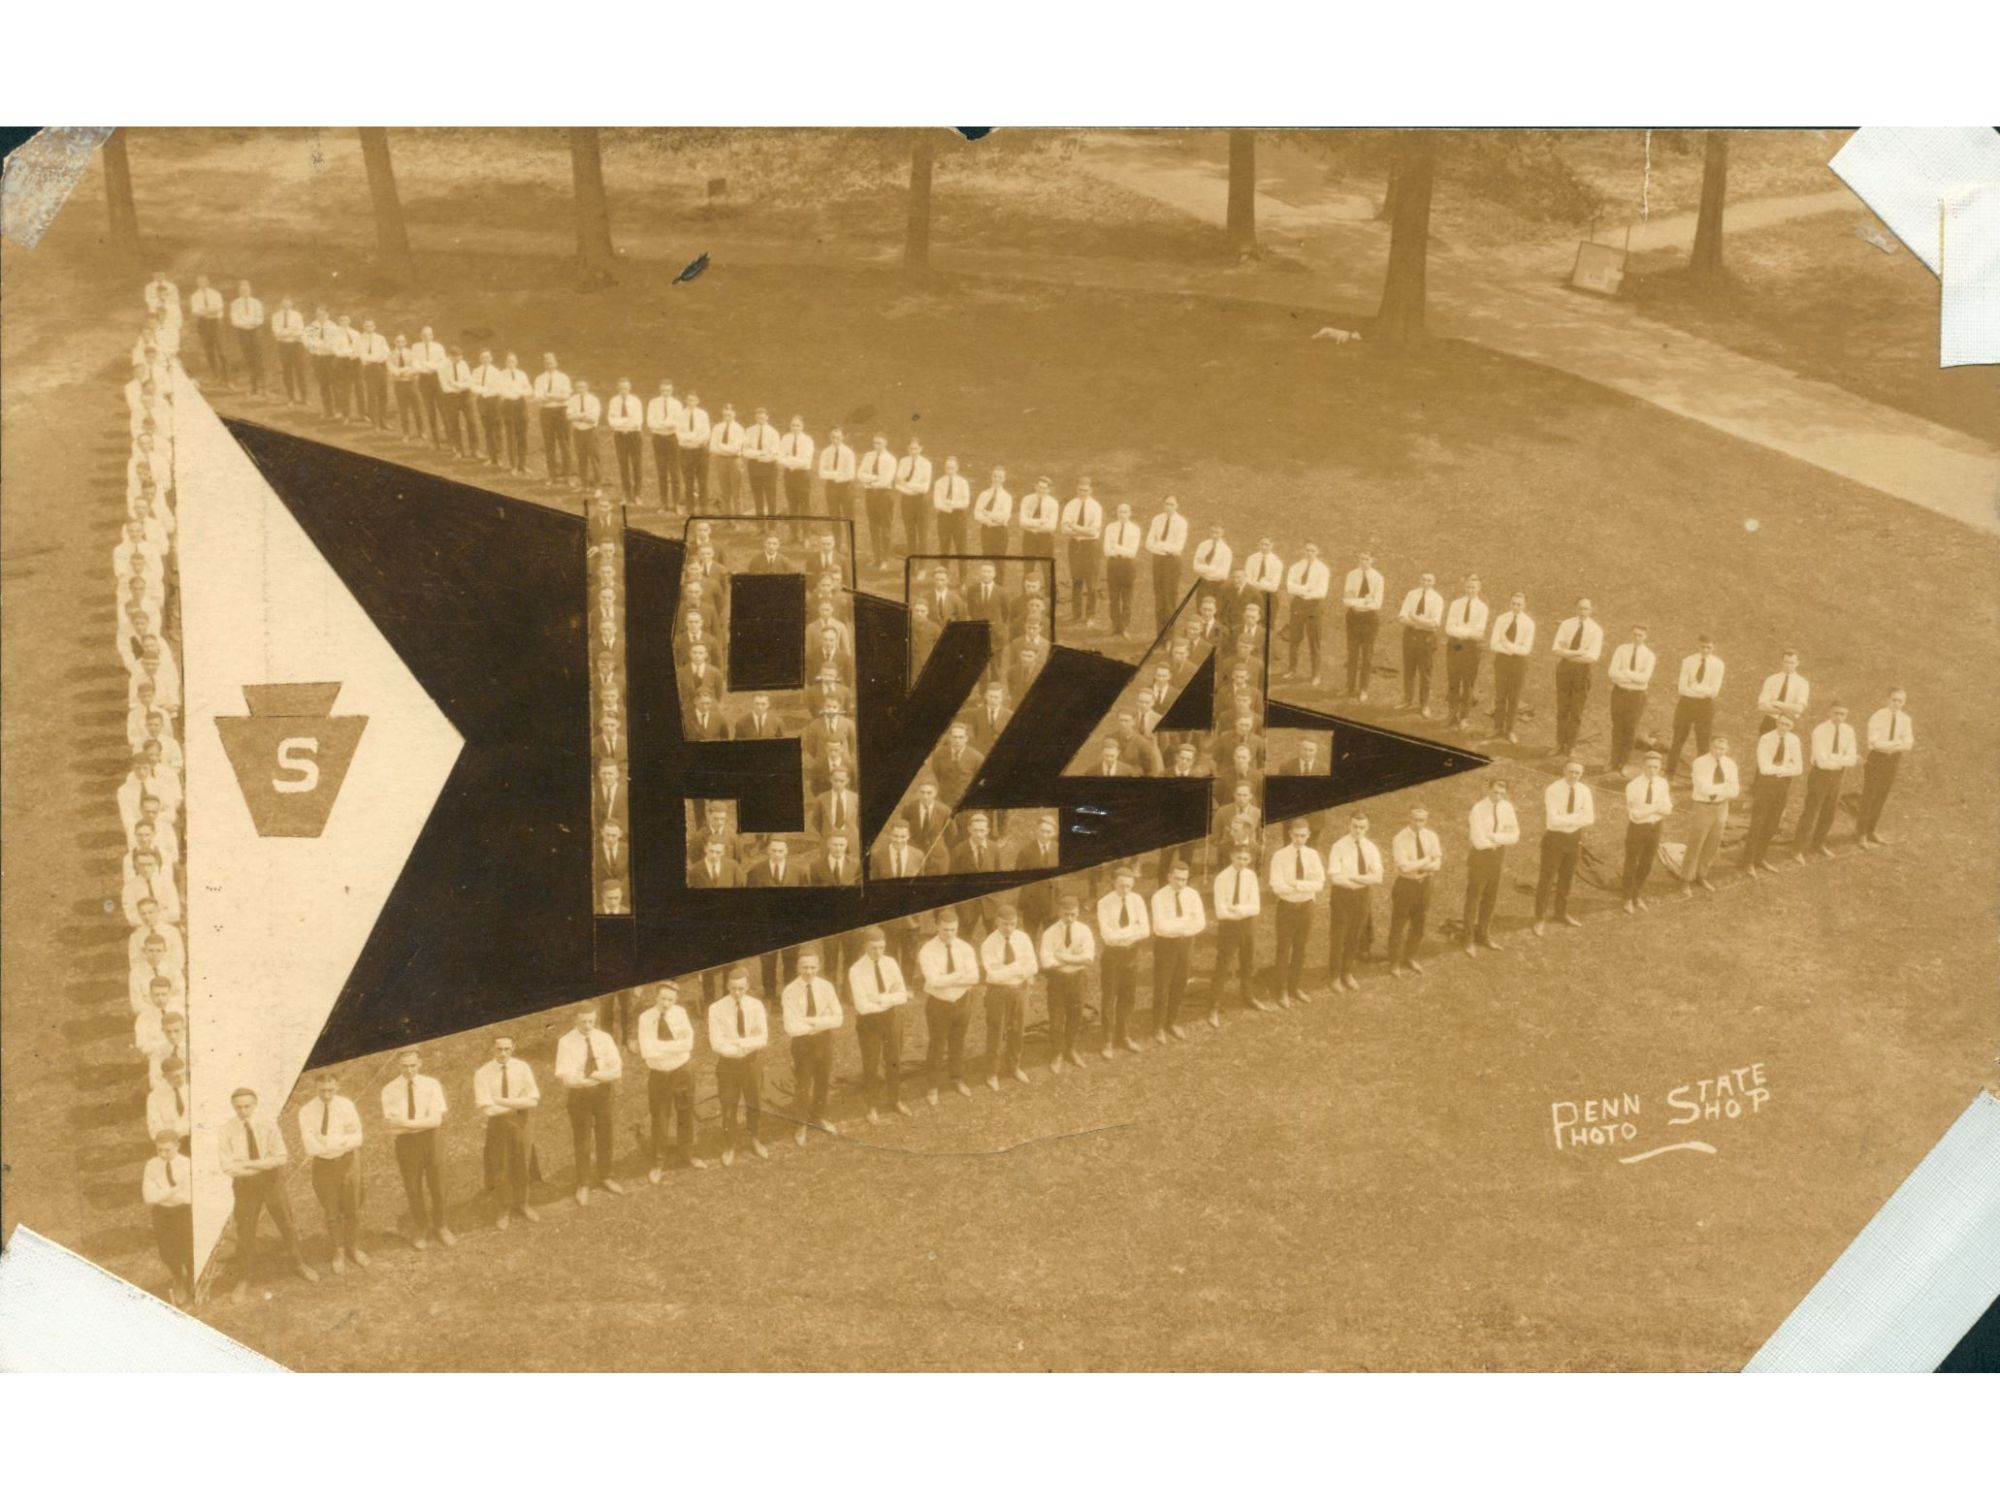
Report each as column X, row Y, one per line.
column 917, row 239
column 1400, row 321
column 1388, row 209
column 1243, row 191
column 594, row 258
column 392, row 241
column 1705, row 264
column 118, row 191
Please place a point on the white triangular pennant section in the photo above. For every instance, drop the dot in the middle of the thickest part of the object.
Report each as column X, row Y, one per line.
column 305, row 794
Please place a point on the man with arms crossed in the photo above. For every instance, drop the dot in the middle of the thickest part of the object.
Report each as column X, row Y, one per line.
column 666, row 1046
column 1891, row 735
column 951, row 971
column 330, row 1127
column 505, row 1092
column 414, row 1106
column 1298, row 875
column 1648, row 800
column 1238, row 900
column 1495, row 828
column 1068, row 948
column 588, row 1064
column 1353, row 870
column 1835, row 747
column 1568, row 808
column 1123, row 923
column 1008, row 958
column 1419, row 855
column 250, row 1149
column 738, row 1033
column 881, row 995
column 1712, row 783
column 812, row 1017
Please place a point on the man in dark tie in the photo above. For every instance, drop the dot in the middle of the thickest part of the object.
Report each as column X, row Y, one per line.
column 505, row 1092
column 588, row 1064
column 1835, row 747
column 413, row 1105
column 252, row 1154
column 168, row 1188
column 955, row 764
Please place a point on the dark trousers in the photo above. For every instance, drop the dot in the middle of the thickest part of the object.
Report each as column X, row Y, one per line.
column 514, row 419
column 1086, row 560
column 812, row 1075
column 1482, row 890
column 763, row 485
column 292, row 367
column 631, row 462
column 726, row 473
column 555, row 442
column 1559, row 856
column 1170, row 978
column 1347, row 930
column 250, row 342
column 944, row 1037
column 667, row 468
column 951, row 531
column 1065, row 1010
column 1362, row 625
column 1006, row 1016
column 583, row 442
column 1694, row 716
column 492, row 426
column 1628, row 705
column 458, row 423
column 1822, row 802
column 1409, row 909
column 337, row 1185
column 409, row 410
column 1572, row 692
column 507, row 1156
column 694, row 477
column 1878, row 775
column 798, row 491
column 1038, row 544
column 347, row 395
column 423, row 1178
column 740, row 1080
column 1294, row 927
column 1235, row 950
column 324, row 377
column 256, row 1195
column 590, row 1122
column 1120, row 574
column 881, row 1039
column 1166, row 589
column 173, row 1235
column 210, row 333
column 1119, row 991
column 839, row 499
column 431, row 392
column 670, row 1100
column 915, row 511
column 375, row 385
column 1303, row 628
column 1461, row 677
column 1642, row 847
column 1509, row 672
column 1419, row 655
column 881, row 508
column 1767, row 810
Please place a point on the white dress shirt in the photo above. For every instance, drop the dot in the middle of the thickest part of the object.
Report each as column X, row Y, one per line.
column 878, row 470
column 1009, row 957
column 1264, row 570
column 913, row 475
column 1354, row 863
column 949, row 970
column 205, row 302
column 584, row 411
column 952, row 492
column 1701, row 675
column 521, row 1091
column 1213, row 560
column 994, row 506
column 725, row 438
column 168, row 1184
column 1648, row 799
column 663, row 416
column 738, row 1026
column 810, row 1006
column 1465, row 619
column 760, row 443
column 1632, row 667
column 1423, row 608
column 1568, row 808
column 1578, row 639
column 329, row 1128
column 1785, row 693
column 1297, row 873
column 836, row 464
column 1121, row 539
column 1068, row 945
column 1123, row 919
column 1712, row 778
column 795, row 452
column 232, row 1145
column 1418, row 853
column 1362, row 589
column 1494, row 825
column 1524, row 634
column 246, row 313
column 1891, row 732
column 627, row 414
column 1167, row 535
column 666, row 1037
column 1178, row 912
column 1835, row 747
column 552, row 388
column 165, row 1112
column 1778, row 754
column 288, row 325
column 1308, row 579
column 1238, row 894
column 431, row 1104
column 877, row 984
column 603, row 1051
column 1083, row 518
column 1040, row 512
column 694, row 427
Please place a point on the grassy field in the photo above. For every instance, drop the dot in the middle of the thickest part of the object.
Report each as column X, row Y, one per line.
column 1367, row 1182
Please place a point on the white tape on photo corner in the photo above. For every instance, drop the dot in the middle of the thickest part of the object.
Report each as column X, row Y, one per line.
column 1905, row 174
column 1969, row 331
column 59, row 1314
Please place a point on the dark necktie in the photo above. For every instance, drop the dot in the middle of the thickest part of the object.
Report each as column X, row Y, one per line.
column 325, row 1115
column 250, row 1142
column 589, row 1060
column 1361, row 850
column 1069, row 935
column 1124, row 911
column 180, row 1101
column 1785, row 693
column 1236, row 895
column 881, row 981
column 1652, row 787
column 172, row 1180
column 411, row 1085
column 742, row 1027
column 502, row 1066
column 1576, row 636
column 1179, row 910
column 1701, row 670
column 812, row 997
column 1715, row 772
column 1895, row 725
column 1572, row 796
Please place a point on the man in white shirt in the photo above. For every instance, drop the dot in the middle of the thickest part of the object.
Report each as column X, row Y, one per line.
column 951, row 972
column 663, row 426
column 1306, row 584
column 913, row 490
column 812, row 1016
column 551, row 394
column 1010, row 965
column 1214, row 561
column 413, row 1106
column 1041, row 519
column 837, row 470
column 1699, row 685
column 516, row 391
column 340, row 373
column 589, row 1067
column 1421, row 616
column 1123, row 923
column 1648, row 800
column 403, row 382
column 1494, row 828
column 1631, row 676
column 455, row 400
column 738, row 1032
column 881, row 996
column 666, row 1046
column 1353, row 870
column 1178, row 919
column 250, row 1149
column 1361, row 596
column 1083, row 536
column 205, row 307
column 371, row 353
column 1780, row 762
column 1298, row 875
column 1121, row 568
column 993, row 513
column 288, row 328
column 876, row 474
column 951, row 499
column 795, row 467
column 505, row 1093
column 330, row 1128
column 1785, row 692
column 1891, row 735
column 167, row 1102
column 1712, row 785
column 760, row 463
column 1166, row 543
column 1068, row 949
column 167, row 1185
column 1567, row 809
column 246, row 316
column 695, row 432
column 1512, row 639
column 1835, row 747
column 430, row 357
column 1418, row 854
column 1238, row 901
column 583, row 411
column 626, row 418
column 1578, row 644
column 1465, row 638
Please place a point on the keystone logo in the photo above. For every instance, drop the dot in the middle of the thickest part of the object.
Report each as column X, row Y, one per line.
column 291, row 755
